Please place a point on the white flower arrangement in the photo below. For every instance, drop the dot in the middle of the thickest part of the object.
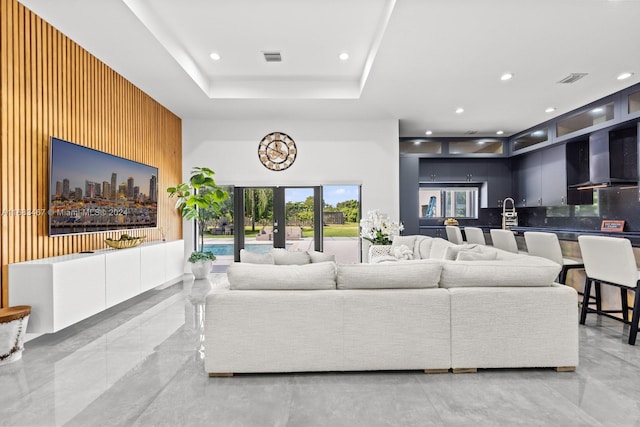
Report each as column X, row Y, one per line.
column 378, row 228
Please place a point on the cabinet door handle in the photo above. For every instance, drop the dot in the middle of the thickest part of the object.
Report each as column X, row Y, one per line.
column 540, row 201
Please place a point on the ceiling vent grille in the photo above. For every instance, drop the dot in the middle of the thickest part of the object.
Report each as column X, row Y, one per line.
column 573, row 77
column 272, row 56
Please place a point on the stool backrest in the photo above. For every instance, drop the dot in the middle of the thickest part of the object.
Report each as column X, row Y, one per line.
column 545, row 245
column 504, row 239
column 610, row 259
column 454, row 235
column 475, row 235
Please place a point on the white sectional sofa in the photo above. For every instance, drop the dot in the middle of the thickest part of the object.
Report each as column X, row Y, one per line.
column 439, row 311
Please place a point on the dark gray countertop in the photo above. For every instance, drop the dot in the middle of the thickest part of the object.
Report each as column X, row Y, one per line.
column 563, row 234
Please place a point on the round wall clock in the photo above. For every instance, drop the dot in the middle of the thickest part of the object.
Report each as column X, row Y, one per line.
column 277, row 151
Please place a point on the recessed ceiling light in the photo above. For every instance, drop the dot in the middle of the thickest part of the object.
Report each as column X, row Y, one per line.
column 344, row 56
column 500, row 132
column 550, row 110
column 506, row 76
column 215, row 56
column 428, row 132
column 624, row 76
column 459, row 110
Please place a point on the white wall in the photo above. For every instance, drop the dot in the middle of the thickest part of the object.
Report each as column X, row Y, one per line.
column 364, row 152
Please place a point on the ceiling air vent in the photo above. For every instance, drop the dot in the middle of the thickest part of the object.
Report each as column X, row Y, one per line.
column 272, row 56
column 573, row 77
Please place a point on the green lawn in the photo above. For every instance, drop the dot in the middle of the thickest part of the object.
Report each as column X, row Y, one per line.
column 350, row 229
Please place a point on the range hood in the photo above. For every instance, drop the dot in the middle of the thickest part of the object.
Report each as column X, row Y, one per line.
column 613, row 159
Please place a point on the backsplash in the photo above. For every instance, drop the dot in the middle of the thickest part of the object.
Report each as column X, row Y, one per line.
column 613, row 203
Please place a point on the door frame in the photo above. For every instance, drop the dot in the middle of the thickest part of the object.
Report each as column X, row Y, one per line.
column 279, row 216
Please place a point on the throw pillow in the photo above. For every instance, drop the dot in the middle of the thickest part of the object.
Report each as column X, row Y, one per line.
column 407, row 241
column 242, row 276
column 476, row 256
column 402, row 252
column 253, row 258
column 438, row 247
column 284, row 257
column 451, row 253
column 321, row 256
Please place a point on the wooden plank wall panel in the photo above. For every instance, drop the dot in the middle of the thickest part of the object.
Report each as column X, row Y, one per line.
column 50, row 86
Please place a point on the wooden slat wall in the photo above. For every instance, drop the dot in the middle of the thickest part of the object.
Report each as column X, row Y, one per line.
column 50, row 86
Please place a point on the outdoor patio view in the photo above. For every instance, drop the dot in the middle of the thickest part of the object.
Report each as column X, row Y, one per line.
column 341, row 216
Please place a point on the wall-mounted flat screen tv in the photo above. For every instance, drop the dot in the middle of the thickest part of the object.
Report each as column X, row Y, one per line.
column 92, row 191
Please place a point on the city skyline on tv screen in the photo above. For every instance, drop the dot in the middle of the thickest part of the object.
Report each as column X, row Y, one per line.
column 91, row 191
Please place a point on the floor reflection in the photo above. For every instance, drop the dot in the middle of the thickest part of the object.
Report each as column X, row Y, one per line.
column 195, row 292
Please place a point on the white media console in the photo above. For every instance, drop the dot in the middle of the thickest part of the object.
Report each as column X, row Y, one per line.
column 66, row 289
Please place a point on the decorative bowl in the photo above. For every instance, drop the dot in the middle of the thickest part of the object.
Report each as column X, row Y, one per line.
column 122, row 244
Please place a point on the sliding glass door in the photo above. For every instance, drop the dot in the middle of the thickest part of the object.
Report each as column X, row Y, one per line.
column 316, row 218
column 277, row 217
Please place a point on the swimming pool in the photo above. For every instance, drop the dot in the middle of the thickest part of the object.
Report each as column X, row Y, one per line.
column 227, row 248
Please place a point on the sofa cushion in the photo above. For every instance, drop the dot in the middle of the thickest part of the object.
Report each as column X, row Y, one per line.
column 284, row 257
column 316, row 256
column 396, row 275
column 416, row 246
column 243, row 276
column 524, row 270
column 253, row 258
column 424, row 247
column 476, row 256
column 500, row 253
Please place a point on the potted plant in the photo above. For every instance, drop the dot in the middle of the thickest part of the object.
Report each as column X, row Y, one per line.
column 201, row 263
column 199, row 199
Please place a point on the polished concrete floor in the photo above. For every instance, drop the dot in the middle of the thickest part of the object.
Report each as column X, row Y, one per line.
column 140, row 364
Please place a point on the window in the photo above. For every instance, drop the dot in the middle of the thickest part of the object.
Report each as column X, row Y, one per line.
column 448, row 202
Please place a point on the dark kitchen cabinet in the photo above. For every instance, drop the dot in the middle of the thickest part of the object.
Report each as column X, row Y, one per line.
column 540, row 178
column 498, row 184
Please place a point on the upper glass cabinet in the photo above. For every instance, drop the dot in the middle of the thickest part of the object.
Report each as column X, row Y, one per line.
column 585, row 119
column 480, row 146
column 420, row 147
column 531, row 138
column 634, row 102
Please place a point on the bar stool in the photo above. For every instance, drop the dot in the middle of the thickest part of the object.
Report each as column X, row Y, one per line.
column 13, row 326
column 610, row 261
column 504, row 239
column 454, row 235
column 474, row 235
column 546, row 245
